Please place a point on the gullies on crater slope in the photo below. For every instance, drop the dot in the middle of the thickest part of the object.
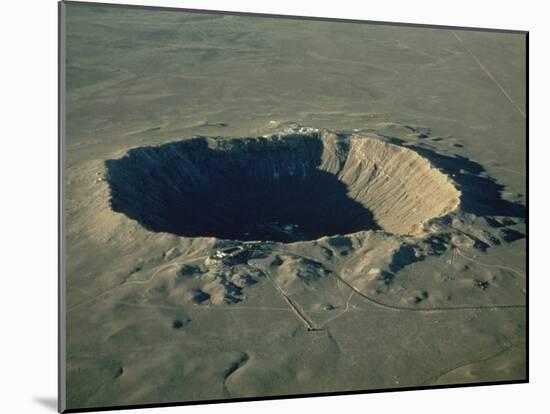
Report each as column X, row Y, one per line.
column 298, row 185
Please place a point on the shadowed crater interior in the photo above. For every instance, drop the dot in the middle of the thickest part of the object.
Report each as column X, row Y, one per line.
column 279, row 188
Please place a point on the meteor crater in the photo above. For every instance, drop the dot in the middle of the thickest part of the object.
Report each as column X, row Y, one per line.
column 298, row 185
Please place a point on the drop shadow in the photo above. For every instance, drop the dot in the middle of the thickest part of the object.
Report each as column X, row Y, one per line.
column 48, row 402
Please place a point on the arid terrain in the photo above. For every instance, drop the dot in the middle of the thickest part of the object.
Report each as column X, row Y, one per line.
column 264, row 206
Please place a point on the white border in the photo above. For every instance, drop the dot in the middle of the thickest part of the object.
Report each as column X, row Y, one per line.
column 29, row 202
